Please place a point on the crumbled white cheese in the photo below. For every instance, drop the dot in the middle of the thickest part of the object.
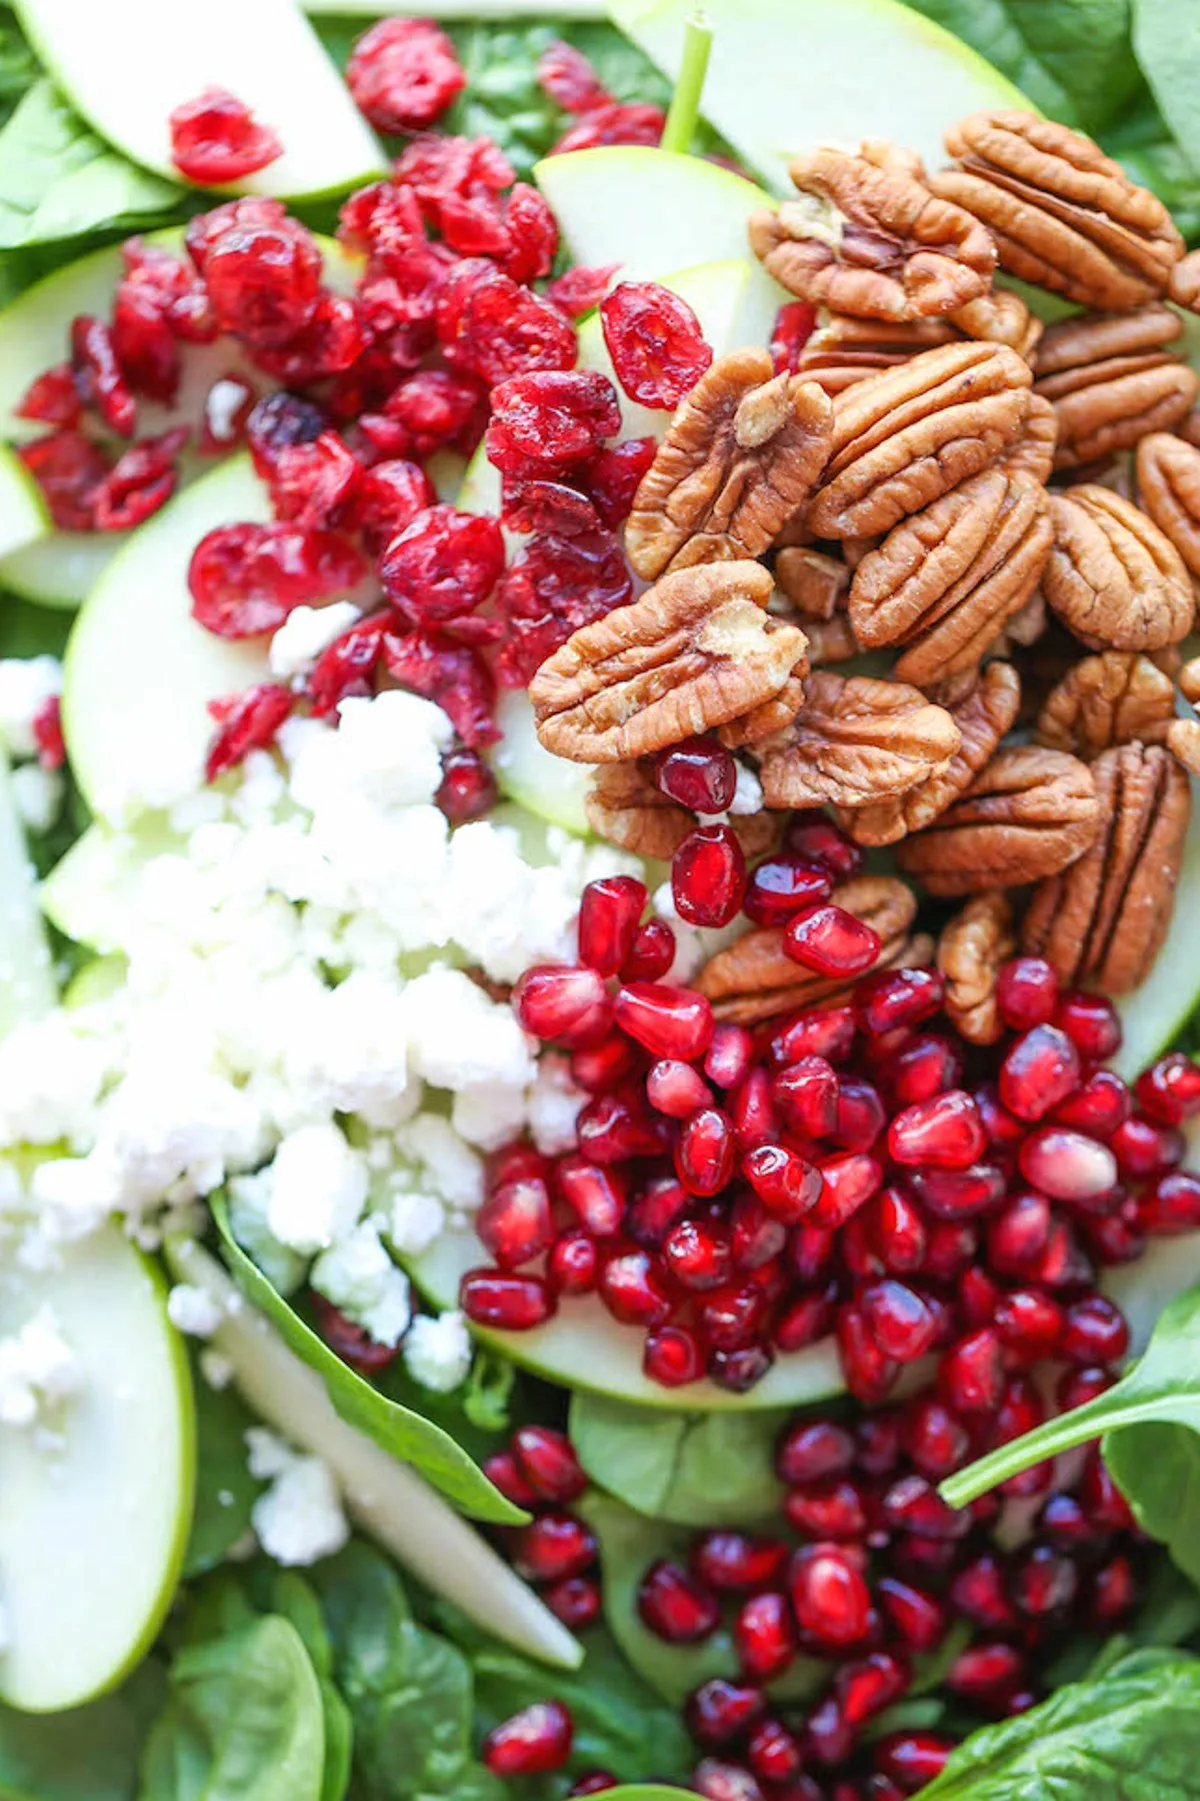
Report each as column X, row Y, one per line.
column 361, row 1280
column 415, row 1222
column 553, row 1106
column 437, row 1351
column 299, row 1517
column 38, row 794
column 305, row 633
column 26, row 684
column 318, row 1188
column 216, row 1368
column 748, row 794
column 193, row 1310
column 38, row 1370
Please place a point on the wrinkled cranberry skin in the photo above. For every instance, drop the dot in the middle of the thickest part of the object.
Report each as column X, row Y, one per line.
column 794, row 325
column 492, row 328
column 69, row 469
column 444, row 563
column 215, row 139
column 249, row 721
column 453, row 675
column 98, row 375
column 613, row 123
column 655, row 342
column 613, row 476
column 554, row 416
column 403, row 74
column 52, row 398
column 555, row 585
column 568, row 78
column 245, row 579
column 263, row 281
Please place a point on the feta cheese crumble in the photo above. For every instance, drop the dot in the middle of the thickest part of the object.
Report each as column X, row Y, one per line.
column 305, row 633
column 437, row 1351
column 298, row 1517
column 38, row 1371
column 361, row 1280
column 193, row 1310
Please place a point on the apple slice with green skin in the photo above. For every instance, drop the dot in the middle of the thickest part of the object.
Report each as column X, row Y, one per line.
column 23, row 514
column 93, row 1529
column 128, row 64
column 139, row 672
column 27, row 985
column 1152, row 1016
column 787, row 75
column 87, row 894
column 548, row 786
column 61, row 568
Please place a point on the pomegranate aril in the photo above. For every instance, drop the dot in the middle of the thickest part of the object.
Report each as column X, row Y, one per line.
column 987, row 1675
column 1114, row 1592
column 1095, row 1331
column 944, row 1132
column 826, row 1032
column 806, row 1094
column 877, row 1437
column 912, row 1759
column 1172, row 1205
column 552, row 1547
column 536, row 1740
column 651, row 953
column 1098, row 1106
column 1169, row 1091
column 764, row 1636
column 1004, row 1130
column 595, row 1193
column 860, row 1115
column 731, row 1317
column 971, row 1373
column 1030, row 1324
column 1103, row 1502
column 980, row 1592
column 1044, row 1581
column 902, row 1324
column 705, row 1151
column 913, row 1505
column 978, row 1297
column 814, row 836
column 830, row 1596
column 1038, row 1071
column 671, row 1356
column 898, row 997
column 774, row 1753
column 676, row 1089
column 832, row 1507
column 510, row 1303
column 829, row 1740
column 655, row 1209
column 666, row 1021
column 712, row 1776
column 547, row 1459
column 468, row 788
column 847, row 1182
column 632, row 1289
column 697, row 773
column 698, row 1255
column 734, row 1562
column 916, row 1615
column 812, row 1450
column 514, row 1223
column 952, row 1244
column 869, row 1373
column 1019, row 1234
column 727, row 1060
column 787, row 1186
column 572, row 1264
column 655, row 342
column 614, row 1127
column 675, row 1605
column 1144, row 1149
column 577, row 1602
column 505, row 1473
column 897, row 1231
column 866, row 1687
column 1066, row 1165
column 957, row 1194
column 781, row 885
column 608, row 920
column 831, row 941
column 927, row 1065
column 934, row 1438
column 1076, row 1387
column 1026, row 993
column 1091, row 1023
column 740, row 1370
column 708, row 876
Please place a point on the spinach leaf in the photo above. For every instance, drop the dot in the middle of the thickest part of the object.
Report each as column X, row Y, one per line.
column 1157, row 1468
column 1142, row 143
column 1166, row 37
column 18, row 65
column 402, row 1432
column 225, row 1489
column 1135, row 1734
column 59, row 180
column 292, row 1598
column 692, row 1469
column 86, row 1754
column 244, row 1721
column 1072, row 58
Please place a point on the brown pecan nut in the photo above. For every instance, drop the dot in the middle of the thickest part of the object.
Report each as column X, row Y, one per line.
column 1105, row 700
column 1002, row 318
column 1183, row 741
column 697, row 649
column 831, row 641
column 1189, row 680
column 866, row 237
column 855, row 741
column 906, row 436
column 1105, row 918
column 1184, row 287
column 625, row 808
column 815, row 584
column 1168, row 481
column 1029, row 814
column 766, row 719
column 1064, row 216
column 740, row 457
column 943, row 582
column 842, row 351
column 753, row 979
column 983, row 715
column 1112, row 576
column 970, row 950
column 1032, row 451
column 1111, row 378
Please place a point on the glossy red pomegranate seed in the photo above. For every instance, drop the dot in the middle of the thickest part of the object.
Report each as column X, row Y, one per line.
column 1026, row 993
column 898, row 997
column 1039, row 1070
column 829, row 1740
column 1098, row 1106
column 1172, row 1205
column 764, row 1636
column 987, row 1675
column 912, row 1759
column 806, row 1094
column 734, row 1561
column 1044, row 1581
column 971, row 1373
column 655, row 342
column 1004, row 1130
column 860, row 1115
column 671, row 1356
column 713, row 1777
column 952, row 1245
column 868, row 1371
column 667, row 1021
column 847, row 1182
column 831, row 941
column 752, row 1110
column 535, row 1740
column 731, row 1317
column 897, row 1231
column 651, row 954
column 632, row 1289
column 814, row 836
column 351, row 1343
column 1019, row 1234
column 781, row 886
column 468, row 788
column 1066, row 1165
column 698, row 1254
column 708, row 876
column 877, row 1441
column 577, row 1602
column 609, row 912
column 917, row 1616
column 978, row 1297
column 1114, row 1593
column 514, row 1222
column 697, row 773
column 1077, row 1386
column 655, row 1208
column 552, row 1547
column 944, row 1132
column 1169, row 1091
column 1029, row 1323
column 1095, row 1331
column 1144, row 1149
column 1102, row 1500
column 705, row 1151
column 807, row 1319
column 980, row 1592
column 510, row 1303
column 811, row 1450
column 503, row 1470
column 830, row 1596
column 403, row 74
column 572, row 1264
column 958, row 1194
column 927, row 1065
column 774, row 1752
column 913, row 1505
column 759, row 1239
column 552, row 999
column 817, row 1032
column 727, row 1059
column 515, row 1163
column 676, row 1089
column 675, row 1605
column 787, row 1186
column 832, row 1508
column 547, row 1460
column 902, row 1324
column 1091, row 1023
column 865, row 1687
column 720, row 1711
column 595, row 1193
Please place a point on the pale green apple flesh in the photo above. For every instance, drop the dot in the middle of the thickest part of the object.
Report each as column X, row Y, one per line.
column 27, row 985
column 266, row 53
column 23, row 515
column 787, row 75
column 548, row 786
column 94, row 1521
column 88, row 892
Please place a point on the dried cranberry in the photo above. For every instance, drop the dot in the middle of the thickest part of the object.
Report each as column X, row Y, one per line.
column 387, row 498
column 547, row 508
column 438, row 408
column 491, row 327
column 245, row 579
column 531, row 232
column 613, row 123
column 334, row 337
column 69, row 470
column 311, row 483
column 557, row 416
column 655, row 342
column 569, row 79
column 52, row 398
column 613, row 477
column 444, row 563
column 347, row 666
column 142, row 480
column 263, row 281
column 246, row 722
column 98, row 375
column 580, row 290
column 215, row 139
column 453, row 675
column 552, row 587
column 144, row 344
column 403, row 74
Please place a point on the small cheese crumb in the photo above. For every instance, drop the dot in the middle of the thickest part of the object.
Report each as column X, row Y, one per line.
column 216, row 1368
column 38, row 794
column 437, row 1351
column 748, row 794
column 26, row 684
column 38, row 1370
column 305, row 633
column 361, row 1280
column 318, row 1188
column 299, row 1517
column 193, row 1310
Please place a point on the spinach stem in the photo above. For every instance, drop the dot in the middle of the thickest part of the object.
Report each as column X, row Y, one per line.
column 684, row 110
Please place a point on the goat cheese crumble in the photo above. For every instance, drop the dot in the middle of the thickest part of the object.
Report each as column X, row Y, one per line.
column 38, row 1372
column 298, row 1518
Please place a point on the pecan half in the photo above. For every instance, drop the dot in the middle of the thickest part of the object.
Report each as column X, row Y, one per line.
column 867, row 237
column 740, row 457
column 1183, row 742
column 814, row 583
column 906, row 436
column 1105, row 918
column 944, row 581
column 1064, row 216
column 1002, row 318
column 753, row 979
column 831, row 641
column 1032, row 451
column 625, row 808
column 1105, row 700
column 983, row 715
column 1112, row 378
column 697, row 649
column 1168, row 481
column 769, row 717
column 1189, row 680
column 1029, row 814
column 1184, row 286
column 855, row 741
column 1112, row 576
column 970, row 950
column 842, row 351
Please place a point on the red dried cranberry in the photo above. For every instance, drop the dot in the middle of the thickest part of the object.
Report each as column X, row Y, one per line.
column 511, row 1303
column 613, row 477
column 697, row 773
column 675, row 1605
column 555, row 585
column 52, row 398
column 144, row 344
column 99, row 379
column 553, row 416
column 795, row 323
column 443, row 564
column 539, row 1737
column 228, row 407
column 143, row 478
column 453, row 675
column 216, row 139
column 614, row 123
column 566, row 75
column 403, row 74
column 246, row 579
column 311, row 483
column 347, row 666
column 334, row 338
column 708, row 876
column 546, row 507
column 263, row 281
column 348, row 1341
column 491, row 327
column 248, row 721
column 277, row 421
column 655, row 342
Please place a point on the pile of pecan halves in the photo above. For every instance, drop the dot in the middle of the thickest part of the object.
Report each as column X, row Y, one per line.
column 999, row 520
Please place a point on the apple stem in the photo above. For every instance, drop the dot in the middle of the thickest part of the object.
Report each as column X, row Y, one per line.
column 684, row 110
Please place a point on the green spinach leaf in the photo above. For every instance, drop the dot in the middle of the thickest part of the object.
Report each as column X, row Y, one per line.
column 1134, row 1736
column 225, row 1489
column 692, row 1469
column 86, row 1754
column 58, row 180
column 404, row 1433
column 18, row 65
column 292, row 1598
column 244, row 1721
column 1166, row 37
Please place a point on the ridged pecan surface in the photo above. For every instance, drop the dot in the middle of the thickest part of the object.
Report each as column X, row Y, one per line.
column 970, row 950
column 1104, row 700
column 1111, row 378
column 1032, row 451
column 1168, row 484
column 854, row 741
column 1112, row 576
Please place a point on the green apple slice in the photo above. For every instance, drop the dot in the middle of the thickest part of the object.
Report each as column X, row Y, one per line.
column 786, row 75
column 139, row 672
column 548, row 786
column 87, row 894
column 93, row 1529
column 1151, row 1017
column 128, row 64
column 584, row 1347
column 27, row 985
column 23, row 515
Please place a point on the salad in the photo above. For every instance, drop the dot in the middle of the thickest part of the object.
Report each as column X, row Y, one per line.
column 599, row 1184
